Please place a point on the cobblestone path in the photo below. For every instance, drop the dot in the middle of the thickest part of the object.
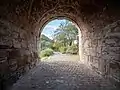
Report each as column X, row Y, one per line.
column 61, row 72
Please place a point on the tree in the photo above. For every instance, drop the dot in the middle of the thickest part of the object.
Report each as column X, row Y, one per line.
column 66, row 33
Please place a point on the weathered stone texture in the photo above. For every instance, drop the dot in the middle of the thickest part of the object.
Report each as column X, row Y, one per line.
column 21, row 23
column 17, row 52
column 103, row 54
column 111, row 50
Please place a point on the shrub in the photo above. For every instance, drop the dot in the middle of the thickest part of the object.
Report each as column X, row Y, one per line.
column 62, row 49
column 46, row 53
column 57, row 45
column 72, row 49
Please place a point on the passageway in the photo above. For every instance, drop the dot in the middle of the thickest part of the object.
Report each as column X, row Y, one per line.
column 62, row 72
column 21, row 23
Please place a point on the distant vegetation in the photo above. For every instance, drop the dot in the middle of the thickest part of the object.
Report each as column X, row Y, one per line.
column 63, row 40
column 46, row 53
column 46, row 42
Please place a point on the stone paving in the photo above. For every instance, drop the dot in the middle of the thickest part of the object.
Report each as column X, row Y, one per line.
column 61, row 72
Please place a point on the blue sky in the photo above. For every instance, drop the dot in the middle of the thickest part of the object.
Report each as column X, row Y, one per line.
column 49, row 29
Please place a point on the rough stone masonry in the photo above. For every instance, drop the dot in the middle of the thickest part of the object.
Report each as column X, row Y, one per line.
column 21, row 23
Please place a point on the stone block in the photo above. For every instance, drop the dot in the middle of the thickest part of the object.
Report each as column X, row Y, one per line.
column 115, row 70
column 24, row 44
column 99, row 43
column 110, row 57
column 117, row 29
column 112, row 42
column 14, row 53
column 98, row 49
column 4, row 53
column 3, row 65
column 6, row 42
column 16, row 43
column 95, row 59
column 27, row 68
column 89, row 57
column 93, row 51
column 12, row 61
column 86, row 44
column 94, row 42
column 13, row 67
column 87, row 51
column 111, row 50
column 15, row 35
column 3, row 59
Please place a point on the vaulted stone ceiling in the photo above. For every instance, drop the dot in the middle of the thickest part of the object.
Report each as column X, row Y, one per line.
column 29, row 12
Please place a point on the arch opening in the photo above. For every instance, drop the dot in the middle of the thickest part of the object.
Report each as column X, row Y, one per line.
column 57, row 24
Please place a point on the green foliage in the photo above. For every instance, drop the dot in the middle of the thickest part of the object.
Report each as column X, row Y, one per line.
column 46, row 42
column 62, row 49
column 46, row 53
column 72, row 49
column 43, row 37
column 64, row 36
column 66, row 33
column 57, row 45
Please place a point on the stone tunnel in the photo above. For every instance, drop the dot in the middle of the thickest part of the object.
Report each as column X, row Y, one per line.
column 21, row 22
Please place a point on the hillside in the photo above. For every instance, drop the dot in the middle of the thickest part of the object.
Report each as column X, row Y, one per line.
column 46, row 42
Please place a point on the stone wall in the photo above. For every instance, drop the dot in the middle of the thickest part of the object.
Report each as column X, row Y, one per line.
column 101, row 51
column 20, row 21
column 111, row 51
column 17, row 52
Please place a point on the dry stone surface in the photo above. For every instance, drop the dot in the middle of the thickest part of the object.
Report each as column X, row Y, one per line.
column 61, row 72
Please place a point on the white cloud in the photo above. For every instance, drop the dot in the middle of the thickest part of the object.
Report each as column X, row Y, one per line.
column 50, row 27
column 49, row 31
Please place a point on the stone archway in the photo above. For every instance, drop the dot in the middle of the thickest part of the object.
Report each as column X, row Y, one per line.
column 60, row 18
column 20, row 21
